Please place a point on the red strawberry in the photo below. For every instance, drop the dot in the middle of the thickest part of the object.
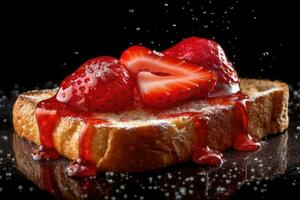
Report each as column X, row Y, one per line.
column 100, row 84
column 164, row 80
column 210, row 55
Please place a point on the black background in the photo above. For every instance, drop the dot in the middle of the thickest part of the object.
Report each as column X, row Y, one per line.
column 46, row 42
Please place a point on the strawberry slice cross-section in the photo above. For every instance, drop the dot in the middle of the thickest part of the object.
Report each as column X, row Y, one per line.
column 164, row 81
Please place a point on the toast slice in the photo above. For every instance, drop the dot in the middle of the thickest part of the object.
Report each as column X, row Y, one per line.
column 138, row 140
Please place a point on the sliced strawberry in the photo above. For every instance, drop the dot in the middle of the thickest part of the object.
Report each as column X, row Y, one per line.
column 210, row 55
column 100, row 84
column 165, row 81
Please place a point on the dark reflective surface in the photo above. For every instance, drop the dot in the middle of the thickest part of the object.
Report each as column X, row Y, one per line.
column 273, row 171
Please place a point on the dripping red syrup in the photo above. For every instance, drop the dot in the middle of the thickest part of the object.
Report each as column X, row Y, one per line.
column 203, row 154
column 48, row 114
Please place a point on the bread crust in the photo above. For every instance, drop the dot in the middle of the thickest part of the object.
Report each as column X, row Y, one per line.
column 147, row 144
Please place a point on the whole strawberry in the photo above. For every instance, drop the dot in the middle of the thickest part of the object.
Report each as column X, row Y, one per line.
column 209, row 55
column 100, row 84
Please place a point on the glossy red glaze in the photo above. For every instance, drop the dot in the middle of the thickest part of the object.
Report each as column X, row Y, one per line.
column 48, row 113
column 43, row 153
column 85, row 140
column 206, row 156
column 203, row 154
column 245, row 142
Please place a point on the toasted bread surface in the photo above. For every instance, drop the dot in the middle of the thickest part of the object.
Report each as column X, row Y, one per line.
column 138, row 140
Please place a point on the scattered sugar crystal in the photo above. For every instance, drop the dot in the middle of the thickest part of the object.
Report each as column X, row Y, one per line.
column 182, row 191
column 122, row 187
column 20, row 187
column 220, row 189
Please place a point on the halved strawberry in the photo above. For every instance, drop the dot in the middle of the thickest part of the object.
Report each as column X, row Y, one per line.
column 210, row 55
column 100, row 84
column 165, row 81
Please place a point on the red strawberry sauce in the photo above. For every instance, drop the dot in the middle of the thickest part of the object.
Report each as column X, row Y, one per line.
column 48, row 114
column 98, row 94
column 203, row 154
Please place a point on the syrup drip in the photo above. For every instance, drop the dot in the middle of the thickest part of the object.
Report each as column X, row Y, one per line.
column 48, row 113
column 84, row 166
column 203, row 154
column 243, row 141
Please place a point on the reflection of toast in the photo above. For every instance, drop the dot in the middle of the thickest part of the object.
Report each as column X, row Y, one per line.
column 138, row 141
column 240, row 167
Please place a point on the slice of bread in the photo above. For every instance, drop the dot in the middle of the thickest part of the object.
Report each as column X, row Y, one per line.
column 138, row 140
